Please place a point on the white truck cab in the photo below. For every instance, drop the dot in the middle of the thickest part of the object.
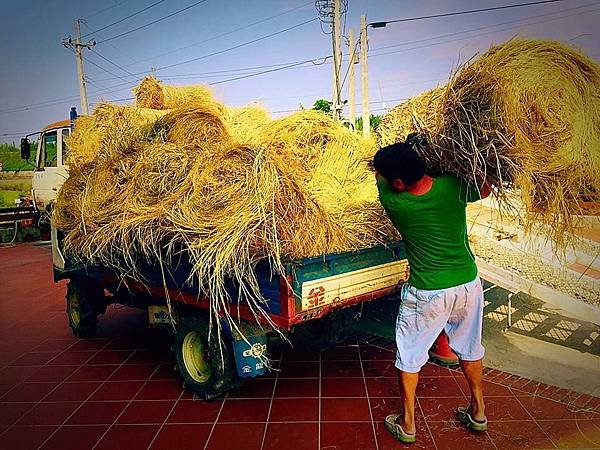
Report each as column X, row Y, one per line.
column 50, row 162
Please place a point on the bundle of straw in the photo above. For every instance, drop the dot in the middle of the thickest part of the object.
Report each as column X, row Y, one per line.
column 525, row 116
column 227, row 187
column 152, row 94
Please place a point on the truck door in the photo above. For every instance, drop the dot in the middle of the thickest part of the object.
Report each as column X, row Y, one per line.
column 50, row 172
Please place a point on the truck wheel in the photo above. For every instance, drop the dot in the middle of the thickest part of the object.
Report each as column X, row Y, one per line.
column 82, row 307
column 207, row 370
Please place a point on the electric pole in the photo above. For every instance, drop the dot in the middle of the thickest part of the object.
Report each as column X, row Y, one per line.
column 337, row 60
column 366, row 122
column 351, row 81
column 76, row 45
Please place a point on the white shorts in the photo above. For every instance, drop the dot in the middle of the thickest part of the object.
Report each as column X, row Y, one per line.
column 424, row 314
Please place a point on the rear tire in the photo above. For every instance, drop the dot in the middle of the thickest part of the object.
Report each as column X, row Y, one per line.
column 207, row 368
column 83, row 303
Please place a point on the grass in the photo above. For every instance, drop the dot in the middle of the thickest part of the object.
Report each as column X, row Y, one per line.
column 12, row 190
column 10, row 157
column 7, row 198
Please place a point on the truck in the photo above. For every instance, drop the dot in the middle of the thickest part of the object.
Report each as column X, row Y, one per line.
column 50, row 172
column 315, row 303
column 50, row 165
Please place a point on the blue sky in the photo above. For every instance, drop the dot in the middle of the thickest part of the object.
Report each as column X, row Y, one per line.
column 38, row 81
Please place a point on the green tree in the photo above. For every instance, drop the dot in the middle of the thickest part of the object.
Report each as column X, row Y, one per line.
column 322, row 105
column 374, row 121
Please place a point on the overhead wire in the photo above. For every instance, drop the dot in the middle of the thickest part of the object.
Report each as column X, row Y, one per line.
column 243, row 44
column 118, row 49
column 111, row 62
column 459, row 13
column 481, row 34
column 285, row 66
column 125, row 33
column 227, row 33
column 105, row 9
column 124, row 18
column 524, row 19
column 271, row 70
column 26, row 107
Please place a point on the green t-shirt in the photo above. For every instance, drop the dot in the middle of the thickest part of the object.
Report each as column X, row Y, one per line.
column 434, row 229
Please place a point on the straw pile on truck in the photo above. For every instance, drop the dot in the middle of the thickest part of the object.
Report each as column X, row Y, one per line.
column 524, row 116
column 181, row 173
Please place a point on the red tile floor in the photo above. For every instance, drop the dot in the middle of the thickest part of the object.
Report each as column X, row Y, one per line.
column 120, row 390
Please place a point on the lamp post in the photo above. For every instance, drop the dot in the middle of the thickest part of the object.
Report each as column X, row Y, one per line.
column 366, row 117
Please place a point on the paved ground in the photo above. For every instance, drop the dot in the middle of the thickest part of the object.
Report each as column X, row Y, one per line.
column 120, row 390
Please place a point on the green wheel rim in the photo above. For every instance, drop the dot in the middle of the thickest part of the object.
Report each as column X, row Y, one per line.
column 194, row 358
column 74, row 313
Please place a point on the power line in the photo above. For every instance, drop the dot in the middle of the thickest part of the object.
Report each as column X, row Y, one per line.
column 105, row 9
column 111, row 62
column 238, row 45
column 525, row 19
column 153, row 22
column 221, row 72
column 58, row 101
column 118, row 49
column 222, row 34
column 459, row 13
column 271, row 70
column 289, row 65
column 480, row 34
column 124, row 18
column 104, row 69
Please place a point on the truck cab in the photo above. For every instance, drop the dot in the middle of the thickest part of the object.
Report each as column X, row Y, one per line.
column 50, row 162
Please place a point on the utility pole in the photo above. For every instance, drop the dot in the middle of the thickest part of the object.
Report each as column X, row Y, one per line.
column 337, row 60
column 366, row 123
column 76, row 45
column 352, row 81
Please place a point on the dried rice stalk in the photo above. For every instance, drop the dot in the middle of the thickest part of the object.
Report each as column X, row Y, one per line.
column 152, row 94
column 227, row 187
column 526, row 117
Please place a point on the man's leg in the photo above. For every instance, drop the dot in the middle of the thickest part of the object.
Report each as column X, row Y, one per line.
column 464, row 334
column 421, row 318
column 473, row 371
column 408, row 389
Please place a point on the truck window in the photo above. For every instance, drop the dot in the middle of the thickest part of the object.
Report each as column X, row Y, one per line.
column 49, row 156
column 65, row 148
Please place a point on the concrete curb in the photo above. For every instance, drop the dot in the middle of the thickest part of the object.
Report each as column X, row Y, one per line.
column 515, row 283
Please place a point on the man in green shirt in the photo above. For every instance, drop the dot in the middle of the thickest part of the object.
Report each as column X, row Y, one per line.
column 444, row 293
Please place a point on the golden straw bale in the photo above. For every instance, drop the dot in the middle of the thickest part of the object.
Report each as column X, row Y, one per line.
column 421, row 114
column 202, row 125
column 244, row 121
column 525, row 116
column 225, row 187
column 151, row 93
column 108, row 125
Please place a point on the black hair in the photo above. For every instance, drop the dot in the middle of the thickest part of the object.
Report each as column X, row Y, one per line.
column 399, row 161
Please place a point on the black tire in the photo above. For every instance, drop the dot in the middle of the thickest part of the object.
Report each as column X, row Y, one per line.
column 207, row 368
column 83, row 306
